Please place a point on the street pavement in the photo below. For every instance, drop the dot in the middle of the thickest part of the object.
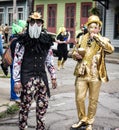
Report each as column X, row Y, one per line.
column 61, row 113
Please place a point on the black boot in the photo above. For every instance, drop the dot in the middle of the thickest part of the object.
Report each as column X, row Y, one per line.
column 5, row 69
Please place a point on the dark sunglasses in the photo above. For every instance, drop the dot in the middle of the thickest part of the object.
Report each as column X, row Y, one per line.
column 38, row 21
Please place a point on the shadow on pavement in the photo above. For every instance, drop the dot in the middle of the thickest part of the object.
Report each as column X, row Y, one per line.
column 96, row 128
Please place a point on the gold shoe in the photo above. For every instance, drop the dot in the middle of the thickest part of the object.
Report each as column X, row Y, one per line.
column 89, row 127
column 79, row 124
column 58, row 68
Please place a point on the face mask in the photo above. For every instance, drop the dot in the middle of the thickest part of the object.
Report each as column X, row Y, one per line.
column 34, row 30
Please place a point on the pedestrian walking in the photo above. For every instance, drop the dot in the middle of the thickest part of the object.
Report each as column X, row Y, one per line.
column 1, row 52
column 1, row 46
column 29, row 70
column 7, row 54
column 6, row 32
column 2, row 29
column 62, row 39
column 90, row 71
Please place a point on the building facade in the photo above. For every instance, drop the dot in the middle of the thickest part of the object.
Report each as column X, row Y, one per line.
column 7, row 9
column 110, row 17
column 70, row 14
column 73, row 13
column 112, row 23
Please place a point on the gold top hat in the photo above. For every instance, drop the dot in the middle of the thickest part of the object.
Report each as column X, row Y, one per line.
column 94, row 19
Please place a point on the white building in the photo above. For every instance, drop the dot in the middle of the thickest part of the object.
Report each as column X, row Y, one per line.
column 10, row 9
column 110, row 10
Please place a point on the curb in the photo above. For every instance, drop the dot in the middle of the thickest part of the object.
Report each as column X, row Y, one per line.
column 112, row 60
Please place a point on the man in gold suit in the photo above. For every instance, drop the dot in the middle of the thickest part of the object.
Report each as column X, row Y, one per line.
column 90, row 71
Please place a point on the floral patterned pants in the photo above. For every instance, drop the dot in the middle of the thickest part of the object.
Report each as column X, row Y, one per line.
column 36, row 89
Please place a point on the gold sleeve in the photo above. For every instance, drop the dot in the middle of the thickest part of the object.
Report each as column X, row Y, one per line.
column 74, row 51
column 105, row 43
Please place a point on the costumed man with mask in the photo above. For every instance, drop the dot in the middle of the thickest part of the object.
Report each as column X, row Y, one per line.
column 90, row 71
column 31, row 54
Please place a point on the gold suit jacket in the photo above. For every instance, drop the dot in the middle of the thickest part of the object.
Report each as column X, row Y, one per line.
column 92, row 65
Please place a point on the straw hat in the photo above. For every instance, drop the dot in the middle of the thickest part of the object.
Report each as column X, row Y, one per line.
column 36, row 15
column 94, row 19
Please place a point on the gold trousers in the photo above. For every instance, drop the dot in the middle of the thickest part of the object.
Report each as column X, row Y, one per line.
column 82, row 88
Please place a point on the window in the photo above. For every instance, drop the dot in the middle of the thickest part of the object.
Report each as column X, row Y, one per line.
column 40, row 8
column 51, row 16
column 10, row 16
column 85, row 8
column 70, row 12
column 116, row 31
column 20, row 13
column 1, row 16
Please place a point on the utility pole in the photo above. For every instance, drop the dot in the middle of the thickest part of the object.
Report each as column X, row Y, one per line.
column 14, row 11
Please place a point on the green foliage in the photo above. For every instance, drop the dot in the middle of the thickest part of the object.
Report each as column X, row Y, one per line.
column 3, row 76
column 94, row 11
column 3, row 115
column 13, row 109
column 10, row 111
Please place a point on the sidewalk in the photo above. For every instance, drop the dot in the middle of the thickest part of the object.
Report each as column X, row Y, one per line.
column 5, row 94
column 113, row 58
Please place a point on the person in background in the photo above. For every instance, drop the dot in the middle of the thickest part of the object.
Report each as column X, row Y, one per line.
column 4, row 69
column 62, row 39
column 82, row 32
column 14, row 34
column 90, row 71
column 29, row 72
column 6, row 32
column 17, row 29
column 1, row 46
column 2, row 29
